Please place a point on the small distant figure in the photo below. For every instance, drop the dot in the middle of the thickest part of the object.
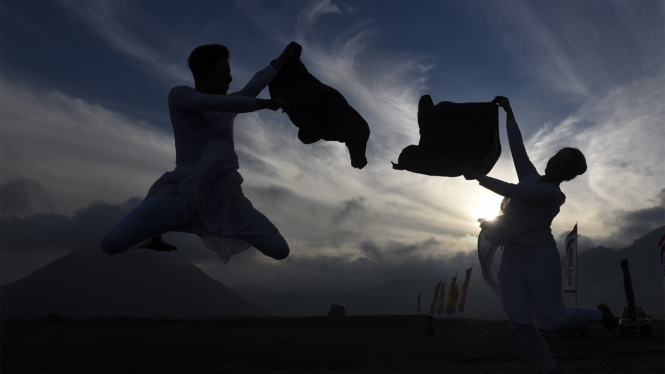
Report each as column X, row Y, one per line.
column 429, row 327
column 337, row 310
column 203, row 194
column 518, row 254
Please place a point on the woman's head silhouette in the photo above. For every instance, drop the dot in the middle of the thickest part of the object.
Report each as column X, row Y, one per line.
column 565, row 165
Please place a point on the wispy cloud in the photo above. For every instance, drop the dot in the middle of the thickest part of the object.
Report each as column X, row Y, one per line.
column 621, row 135
column 106, row 18
column 579, row 50
column 309, row 15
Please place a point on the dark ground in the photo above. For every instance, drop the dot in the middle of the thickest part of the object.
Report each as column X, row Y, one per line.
column 351, row 344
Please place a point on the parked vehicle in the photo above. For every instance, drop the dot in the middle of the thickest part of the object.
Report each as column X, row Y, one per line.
column 640, row 327
column 337, row 310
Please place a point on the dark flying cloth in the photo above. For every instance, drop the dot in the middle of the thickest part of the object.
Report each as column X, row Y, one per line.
column 320, row 111
column 452, row 133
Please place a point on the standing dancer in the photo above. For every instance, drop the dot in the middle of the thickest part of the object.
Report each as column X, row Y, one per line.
column 203, row 194
column 518, row 253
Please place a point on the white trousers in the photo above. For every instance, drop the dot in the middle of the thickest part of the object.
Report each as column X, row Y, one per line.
column 165, row 213
column 533, row 298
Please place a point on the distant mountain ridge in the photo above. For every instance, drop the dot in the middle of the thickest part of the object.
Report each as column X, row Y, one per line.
column 141, row 283
column 600, row 279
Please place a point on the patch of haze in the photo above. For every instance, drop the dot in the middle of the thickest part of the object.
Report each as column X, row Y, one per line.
column 79, row 151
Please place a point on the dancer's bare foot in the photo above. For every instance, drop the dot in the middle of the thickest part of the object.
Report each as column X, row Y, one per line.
column 609, row 320
column 158, row 244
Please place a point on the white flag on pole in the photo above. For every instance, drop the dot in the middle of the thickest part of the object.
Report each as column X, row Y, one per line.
column 570, row 279
column 661, row 244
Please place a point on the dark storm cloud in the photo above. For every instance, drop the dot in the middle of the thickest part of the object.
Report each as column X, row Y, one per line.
column 59, row 234
column 32, row 240
column 23, row 196
column 338, row 238
column 378, row 262
column 629, row 225
column 274, row 192
column 583, row 242
column 395, row 249
column 62, row 233
column 348, row 208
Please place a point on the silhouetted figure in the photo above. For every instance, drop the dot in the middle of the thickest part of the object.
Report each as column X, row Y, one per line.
column 428, row 330
column 518, row 253
column 320, row 111
column 450, row 134
column 203, row 194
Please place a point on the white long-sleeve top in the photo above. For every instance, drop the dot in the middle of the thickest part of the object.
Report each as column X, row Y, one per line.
column 199, row 118
column 533, row 203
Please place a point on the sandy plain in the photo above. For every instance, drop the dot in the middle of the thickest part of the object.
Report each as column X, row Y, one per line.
column 351, row 344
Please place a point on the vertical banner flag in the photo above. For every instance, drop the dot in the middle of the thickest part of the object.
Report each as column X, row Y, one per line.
column 570, row 279
column 455, row 298
column 418, row 303
column 436, row 296
column 465, row 287
column 439, row 307
column 661, row 243
column 448, row 309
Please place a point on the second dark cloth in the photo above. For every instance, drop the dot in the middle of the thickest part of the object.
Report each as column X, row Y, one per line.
column 450, row 134
column 320, row 111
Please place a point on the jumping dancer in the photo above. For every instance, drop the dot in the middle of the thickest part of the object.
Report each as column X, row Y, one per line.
column 203, row 194
column 518, row 253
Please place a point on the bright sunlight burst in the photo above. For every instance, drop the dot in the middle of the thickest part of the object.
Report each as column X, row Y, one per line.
column 487, row 206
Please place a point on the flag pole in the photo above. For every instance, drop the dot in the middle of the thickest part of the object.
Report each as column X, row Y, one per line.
column 462, row 314
column 577, row 270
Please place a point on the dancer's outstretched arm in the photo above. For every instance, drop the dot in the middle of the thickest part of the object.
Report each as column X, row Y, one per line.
column 190, row 100
column 523, row 165
column 532, row 194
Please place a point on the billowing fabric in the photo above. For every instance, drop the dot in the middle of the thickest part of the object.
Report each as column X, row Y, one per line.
column 320, row 111
column 450, row 134
column 206, row 175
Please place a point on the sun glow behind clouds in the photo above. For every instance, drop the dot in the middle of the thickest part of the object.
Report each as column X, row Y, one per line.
column 486, row 206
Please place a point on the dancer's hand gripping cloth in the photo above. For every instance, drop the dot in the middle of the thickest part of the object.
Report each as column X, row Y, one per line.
column 450, row 134
column 320, row 111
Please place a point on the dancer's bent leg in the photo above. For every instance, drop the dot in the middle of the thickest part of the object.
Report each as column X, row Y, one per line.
column 535, row 344
column 581, row 317
column 274, row 246
column 156, row 216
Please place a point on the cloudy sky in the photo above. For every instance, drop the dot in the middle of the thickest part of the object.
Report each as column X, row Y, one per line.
column 85, row 129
